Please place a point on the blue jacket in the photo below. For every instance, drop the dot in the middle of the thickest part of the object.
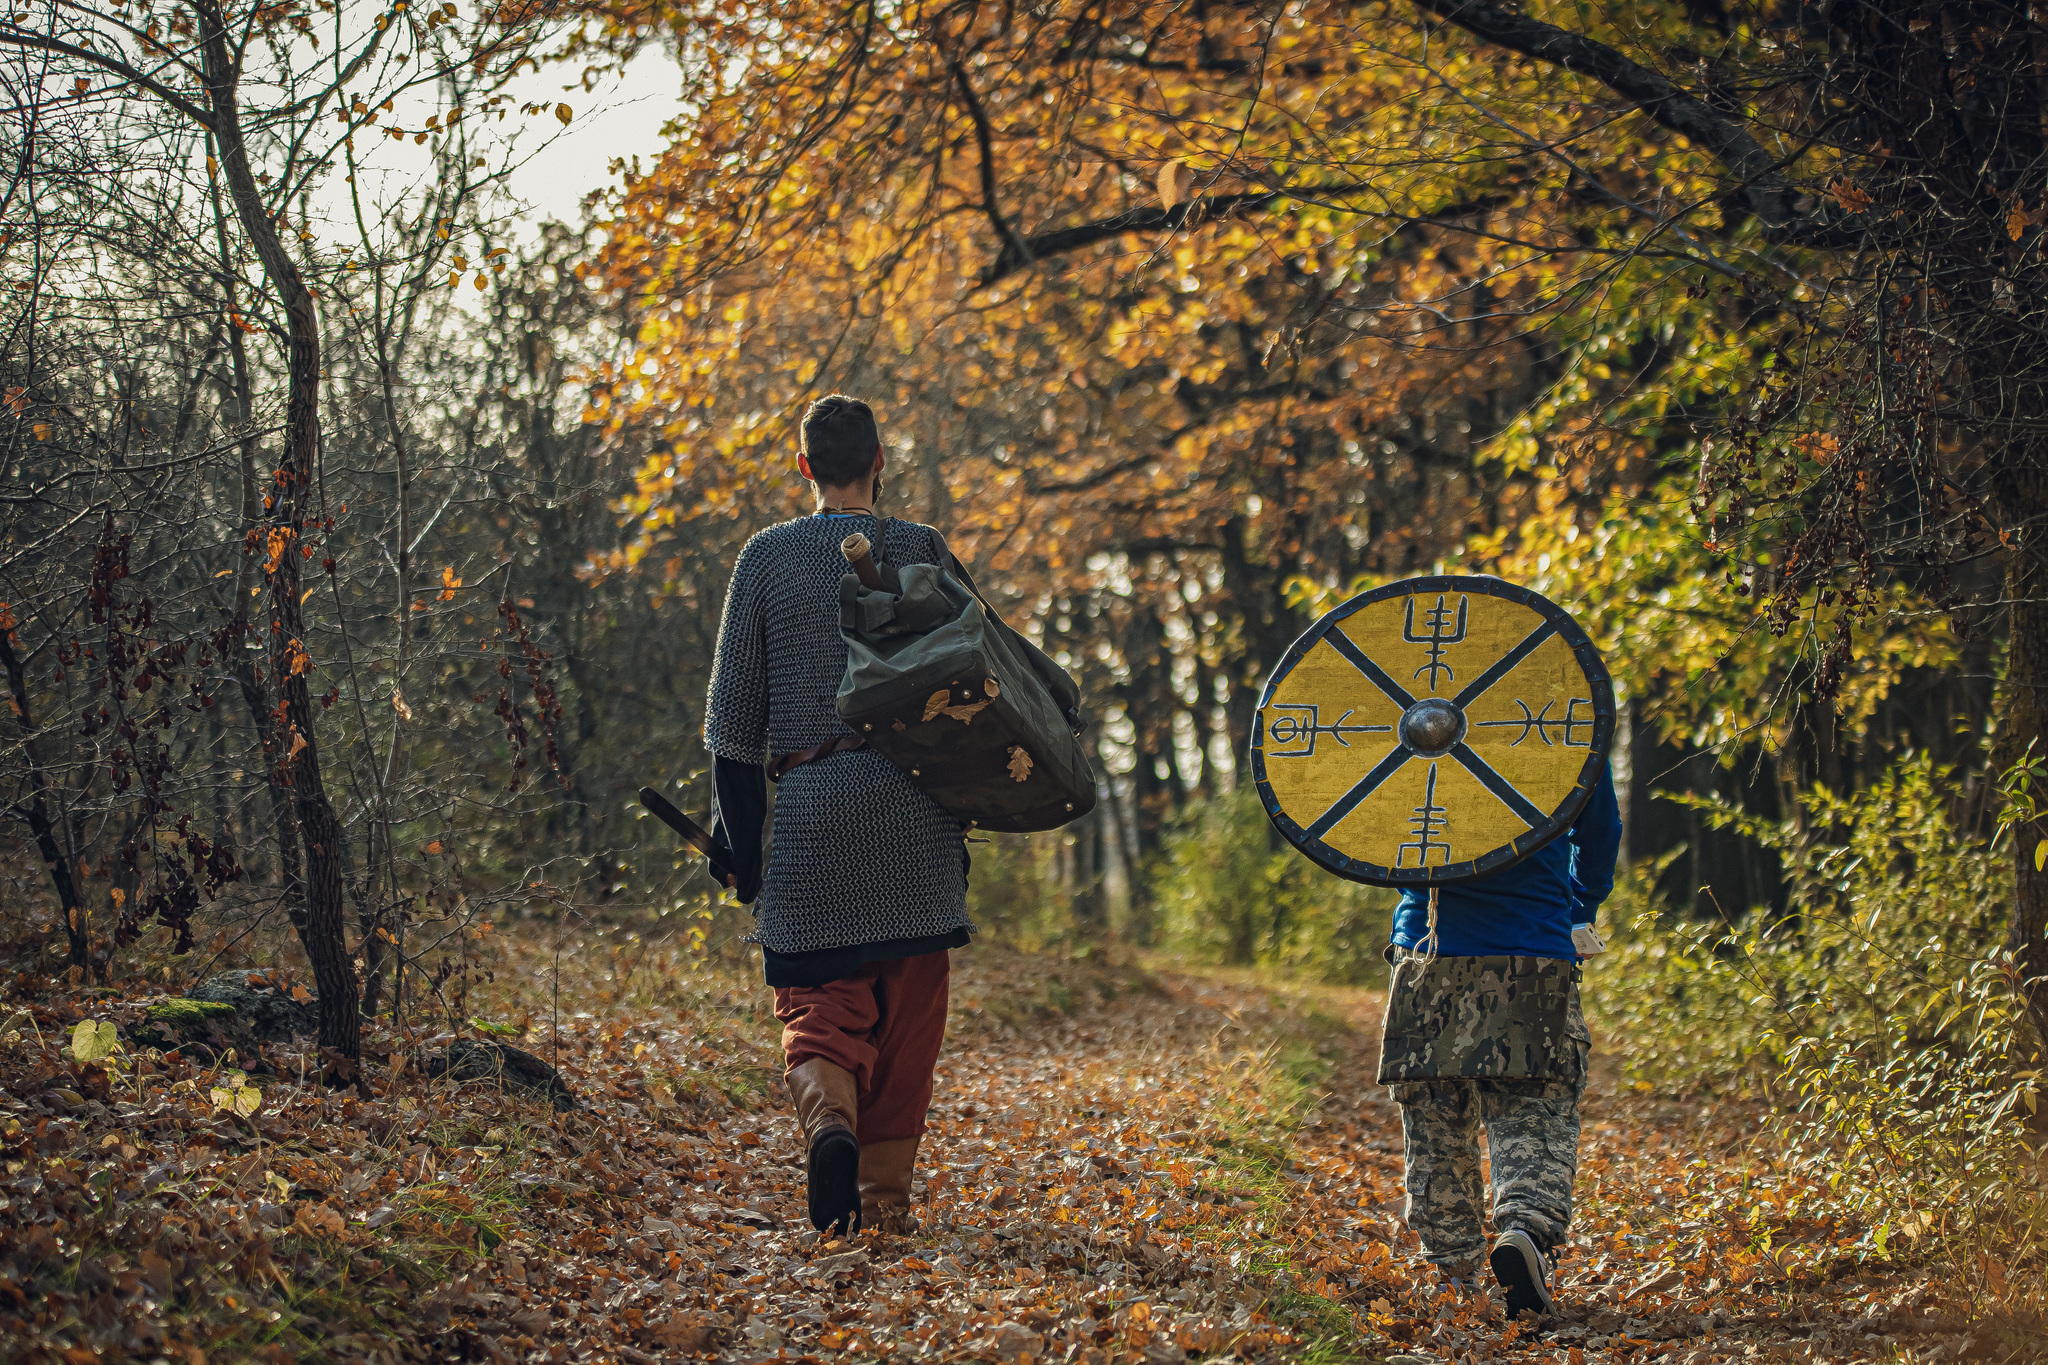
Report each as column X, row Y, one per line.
column 1527, row 910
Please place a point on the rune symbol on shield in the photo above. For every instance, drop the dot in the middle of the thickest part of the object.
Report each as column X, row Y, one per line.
column 1438, row 620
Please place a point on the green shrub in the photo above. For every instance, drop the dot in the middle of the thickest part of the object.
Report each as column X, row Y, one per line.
column 1014, row 895
column 1230, row 893
column 1879, row 1011
column 1890, row 909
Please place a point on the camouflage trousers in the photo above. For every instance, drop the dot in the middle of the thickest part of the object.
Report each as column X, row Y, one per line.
column 1532, row 1132
column 1532, row 1129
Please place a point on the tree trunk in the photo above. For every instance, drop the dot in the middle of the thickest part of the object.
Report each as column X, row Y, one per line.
column 2025, row 728
column 37, row 812
column 298, row 765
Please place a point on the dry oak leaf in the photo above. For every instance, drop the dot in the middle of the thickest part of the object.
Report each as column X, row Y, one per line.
column 1014, row 1341
column 317, row 1218
column 691, row 1332
column 937, row 702
column 533, row 1320
column 1020, row 763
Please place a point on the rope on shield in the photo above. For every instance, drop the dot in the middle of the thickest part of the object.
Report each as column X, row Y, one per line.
column 1426, row 949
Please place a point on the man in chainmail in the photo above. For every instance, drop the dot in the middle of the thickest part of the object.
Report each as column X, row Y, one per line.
column 866, row 886
column 1484, row 1029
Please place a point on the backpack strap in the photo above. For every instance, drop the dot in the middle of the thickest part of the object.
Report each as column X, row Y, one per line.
column 949, row 560
column 1066, row 693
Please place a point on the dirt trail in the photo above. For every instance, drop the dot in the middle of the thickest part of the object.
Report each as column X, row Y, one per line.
column 1123, row 1167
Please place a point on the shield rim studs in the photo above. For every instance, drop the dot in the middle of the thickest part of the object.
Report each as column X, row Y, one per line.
column 1311, row 845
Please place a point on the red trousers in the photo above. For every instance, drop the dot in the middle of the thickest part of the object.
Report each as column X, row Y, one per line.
column 884, row 1024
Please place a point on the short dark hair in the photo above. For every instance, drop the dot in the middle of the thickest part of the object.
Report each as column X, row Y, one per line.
column 840, row 439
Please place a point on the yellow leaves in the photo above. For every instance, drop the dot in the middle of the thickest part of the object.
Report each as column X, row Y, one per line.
column 94, row 1040
column 563, row 114
column 234, row 1095
column 297, row 660
column 399, row 705
column 275, row 545
column 450, row 581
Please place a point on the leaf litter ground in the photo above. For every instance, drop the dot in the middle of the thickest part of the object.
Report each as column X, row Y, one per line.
column 1127, row 1166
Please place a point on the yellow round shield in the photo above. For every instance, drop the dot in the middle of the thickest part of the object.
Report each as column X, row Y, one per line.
column 1432, row 730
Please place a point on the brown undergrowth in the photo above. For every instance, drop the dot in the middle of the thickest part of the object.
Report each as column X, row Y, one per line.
column 1129, row 1164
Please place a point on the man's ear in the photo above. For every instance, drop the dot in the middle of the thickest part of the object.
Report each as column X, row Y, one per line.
column 878, row 457
column 803, row 467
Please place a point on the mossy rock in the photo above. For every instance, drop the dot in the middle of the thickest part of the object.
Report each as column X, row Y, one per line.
column 189, row 1013
column 264, row 1004
column 206, row 1025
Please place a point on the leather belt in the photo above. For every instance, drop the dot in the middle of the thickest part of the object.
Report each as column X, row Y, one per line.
column 838, row 744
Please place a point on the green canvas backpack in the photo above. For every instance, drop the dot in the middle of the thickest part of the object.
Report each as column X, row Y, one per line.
column 978, row 717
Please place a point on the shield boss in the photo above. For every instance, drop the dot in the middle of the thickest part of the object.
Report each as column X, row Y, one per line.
column 1432, row 730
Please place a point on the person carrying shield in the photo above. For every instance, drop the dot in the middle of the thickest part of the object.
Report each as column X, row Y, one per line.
column 1484, row 1028
column 865, row 892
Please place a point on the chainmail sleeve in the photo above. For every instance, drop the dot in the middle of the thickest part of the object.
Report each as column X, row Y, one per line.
column 736, row 713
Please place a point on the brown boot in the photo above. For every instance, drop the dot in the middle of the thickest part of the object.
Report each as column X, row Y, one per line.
column 824, row 1095
column 885, row 1169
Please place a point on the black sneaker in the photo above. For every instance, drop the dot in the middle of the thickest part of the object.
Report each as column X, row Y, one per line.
column 1523, row 1272
column 832, row 1181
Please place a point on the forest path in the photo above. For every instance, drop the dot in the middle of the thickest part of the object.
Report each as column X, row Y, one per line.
column 1127, row 1166
column 1145, row 1166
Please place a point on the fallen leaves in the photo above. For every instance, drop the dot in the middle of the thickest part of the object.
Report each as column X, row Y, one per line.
column 317, row 1220
column 1122, row 1169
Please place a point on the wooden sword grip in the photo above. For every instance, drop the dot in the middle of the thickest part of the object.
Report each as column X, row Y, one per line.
column 859, row 554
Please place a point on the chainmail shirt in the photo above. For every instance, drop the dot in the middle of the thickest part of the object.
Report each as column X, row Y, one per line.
column 859, row 854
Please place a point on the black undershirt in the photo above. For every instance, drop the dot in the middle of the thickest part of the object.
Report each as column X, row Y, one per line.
column 836, row 964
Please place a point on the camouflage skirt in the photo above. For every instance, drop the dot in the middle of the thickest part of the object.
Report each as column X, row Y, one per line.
column 1482, row 1018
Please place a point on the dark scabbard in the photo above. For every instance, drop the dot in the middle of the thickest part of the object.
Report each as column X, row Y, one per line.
column 693, row 833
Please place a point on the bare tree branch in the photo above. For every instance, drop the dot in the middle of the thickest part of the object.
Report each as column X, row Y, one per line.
column 1764, row 190
column 18, row 37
